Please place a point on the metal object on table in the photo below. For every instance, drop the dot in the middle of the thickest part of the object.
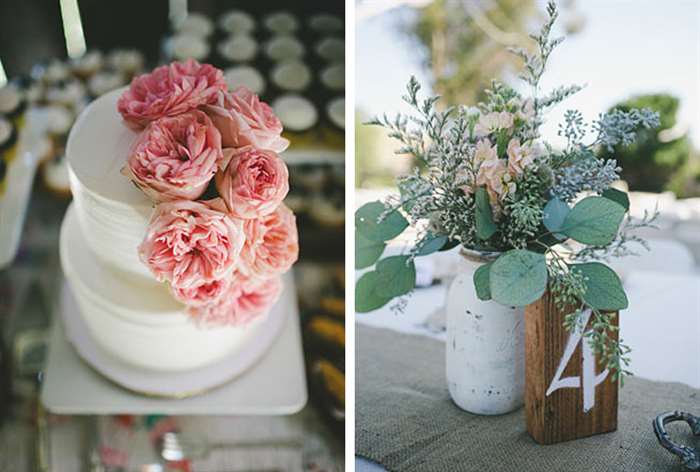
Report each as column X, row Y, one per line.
column 690, row 457
column 177, row 446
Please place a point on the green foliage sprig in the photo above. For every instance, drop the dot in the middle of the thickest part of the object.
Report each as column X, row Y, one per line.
column 487, row 182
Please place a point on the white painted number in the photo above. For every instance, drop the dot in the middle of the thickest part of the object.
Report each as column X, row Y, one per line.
column 590, row 380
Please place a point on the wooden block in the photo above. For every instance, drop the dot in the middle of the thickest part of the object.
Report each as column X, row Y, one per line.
column 567, row 394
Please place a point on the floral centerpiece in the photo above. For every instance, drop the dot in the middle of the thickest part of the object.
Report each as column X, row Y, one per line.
column 549, row 217
column 220, row 236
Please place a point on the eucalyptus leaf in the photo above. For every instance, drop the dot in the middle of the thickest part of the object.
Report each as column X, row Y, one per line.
column 367, row 222
column 431, row 243
column 482, row 282
column 618, row 196
column 366, row 297
column 450, row 244
column 518, row 277
column 366, row 251
column 485, row 227
column 555, row 212
column 603, row 287
column 396, row 276
column 593, row 220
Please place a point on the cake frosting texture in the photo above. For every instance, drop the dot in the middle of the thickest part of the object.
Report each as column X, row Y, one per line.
column 129, row 313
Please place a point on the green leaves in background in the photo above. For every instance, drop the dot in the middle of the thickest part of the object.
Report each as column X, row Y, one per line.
column 366, row 222
column 482, row 282
column 396, row 276
column 603, row 287
column 555, row 212
column 594, row 221
column 618, row 196
column 518, row 277
column 366, row 251
column 366, row 297
column 485, row 227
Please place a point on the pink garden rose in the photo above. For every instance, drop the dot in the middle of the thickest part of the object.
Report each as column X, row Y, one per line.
column 244, row 120
column 201, row 295
column 254, row 183
column 244, row 300
column 271, row 244
column 170, row 90
column 190, row 243
column 175, row 157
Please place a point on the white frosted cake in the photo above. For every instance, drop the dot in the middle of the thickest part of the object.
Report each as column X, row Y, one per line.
column 129, row 313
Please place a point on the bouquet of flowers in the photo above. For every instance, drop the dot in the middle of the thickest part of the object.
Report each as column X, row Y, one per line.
column 220, row 236
column 548, row 217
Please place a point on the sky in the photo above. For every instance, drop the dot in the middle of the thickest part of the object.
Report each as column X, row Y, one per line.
column 627, row 47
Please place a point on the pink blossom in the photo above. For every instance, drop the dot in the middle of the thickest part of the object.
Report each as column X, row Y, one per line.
column 244, row 120
column 271, row 244
column 520, row 157
column 204, row 294
column 190, row 243
column 245, row 300
column 493, row 121
column 175, row 157
column 170, row 90
column 254, row 183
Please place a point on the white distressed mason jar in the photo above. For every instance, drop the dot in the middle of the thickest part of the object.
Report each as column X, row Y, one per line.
column 485, row 346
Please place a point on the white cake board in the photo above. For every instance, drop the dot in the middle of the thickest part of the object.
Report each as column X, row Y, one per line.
column 271, row 383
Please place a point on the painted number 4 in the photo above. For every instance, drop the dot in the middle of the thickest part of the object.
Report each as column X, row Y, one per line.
column 589, row 379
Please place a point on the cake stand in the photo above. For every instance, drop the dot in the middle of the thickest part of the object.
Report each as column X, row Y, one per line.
column 267, row 379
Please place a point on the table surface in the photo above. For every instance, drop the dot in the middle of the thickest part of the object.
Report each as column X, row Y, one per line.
column 661, row 325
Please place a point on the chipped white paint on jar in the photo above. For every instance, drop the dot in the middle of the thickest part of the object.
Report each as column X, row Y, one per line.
column 485, row 346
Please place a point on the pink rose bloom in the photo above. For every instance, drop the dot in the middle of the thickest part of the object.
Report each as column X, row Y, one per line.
column 244, row 120
column 189, row 244
column 271, row 244
column 175, row 157
column 201, row 295
column 244, row 301
column 170, row 90
column 254, row 183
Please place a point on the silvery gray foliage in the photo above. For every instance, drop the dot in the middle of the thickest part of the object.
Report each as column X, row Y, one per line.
column 587, row 173
column 621, row 127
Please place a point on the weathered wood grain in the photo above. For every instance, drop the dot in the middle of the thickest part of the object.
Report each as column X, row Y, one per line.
column 560, row 416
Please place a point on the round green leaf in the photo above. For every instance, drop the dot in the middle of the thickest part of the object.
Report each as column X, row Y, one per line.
column 482, row 282
column 518, row 277
column 366, row 298
column 603, row 287
column 395, row 276
column 485, row 227
column 367, row 222
column 431, row 243
column 555, row 211
column 367, row 252
column 594, row 221
column 617, row 196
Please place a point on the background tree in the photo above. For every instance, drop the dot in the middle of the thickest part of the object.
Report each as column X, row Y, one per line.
column 658, row 155
column 465, row 41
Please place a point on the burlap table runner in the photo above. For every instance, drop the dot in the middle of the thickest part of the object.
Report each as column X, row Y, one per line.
column 405, row 419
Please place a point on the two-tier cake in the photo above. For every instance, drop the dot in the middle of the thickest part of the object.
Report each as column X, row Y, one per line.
column 177, row 238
